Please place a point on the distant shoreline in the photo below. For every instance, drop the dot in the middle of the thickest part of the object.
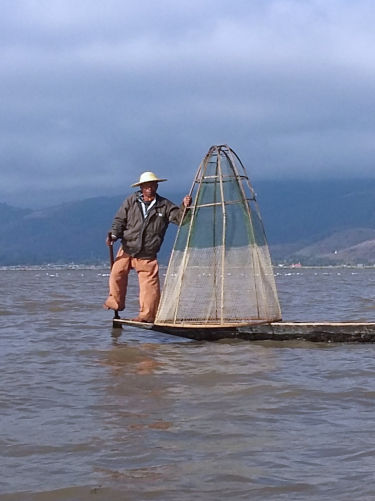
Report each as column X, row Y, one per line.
column 104, row 266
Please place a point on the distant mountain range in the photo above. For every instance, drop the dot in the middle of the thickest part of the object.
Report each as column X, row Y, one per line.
column 320, row 222
column 314, row 223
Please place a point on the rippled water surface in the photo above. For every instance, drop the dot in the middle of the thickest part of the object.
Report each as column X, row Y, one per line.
column 88, row 412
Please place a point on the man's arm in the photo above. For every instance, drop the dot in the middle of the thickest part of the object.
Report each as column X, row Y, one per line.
column 176, row 213
column 119, row 223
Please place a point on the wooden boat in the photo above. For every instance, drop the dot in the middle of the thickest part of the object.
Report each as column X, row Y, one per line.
column 327, row 332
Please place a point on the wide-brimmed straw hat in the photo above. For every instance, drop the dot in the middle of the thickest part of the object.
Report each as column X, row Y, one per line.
column 147, row 177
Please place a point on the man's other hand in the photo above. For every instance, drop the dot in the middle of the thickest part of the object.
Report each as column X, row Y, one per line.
column 187, row 201
column 110, row 239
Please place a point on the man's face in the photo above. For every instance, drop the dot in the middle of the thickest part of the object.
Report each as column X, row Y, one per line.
column 149, row 190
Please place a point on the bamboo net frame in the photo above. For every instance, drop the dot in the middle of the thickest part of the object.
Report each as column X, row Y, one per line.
column 220, row 271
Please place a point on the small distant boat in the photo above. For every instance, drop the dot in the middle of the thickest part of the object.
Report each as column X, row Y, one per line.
column 220, row 282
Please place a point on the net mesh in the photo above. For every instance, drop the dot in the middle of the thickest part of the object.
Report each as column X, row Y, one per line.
column 220, row 271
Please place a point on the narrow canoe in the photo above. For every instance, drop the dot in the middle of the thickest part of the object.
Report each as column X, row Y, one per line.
column 329, row 332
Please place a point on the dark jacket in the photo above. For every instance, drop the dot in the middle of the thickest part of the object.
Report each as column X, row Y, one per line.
column 142, row 237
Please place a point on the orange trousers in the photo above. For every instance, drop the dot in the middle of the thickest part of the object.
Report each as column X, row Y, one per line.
column 149, row 285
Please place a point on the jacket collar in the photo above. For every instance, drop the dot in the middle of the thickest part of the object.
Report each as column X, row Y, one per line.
column 147, row 209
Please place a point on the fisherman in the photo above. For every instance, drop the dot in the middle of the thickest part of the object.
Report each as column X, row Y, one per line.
column 141, row 223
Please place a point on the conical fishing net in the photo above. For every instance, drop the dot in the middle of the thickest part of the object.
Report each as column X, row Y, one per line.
column 220, row 271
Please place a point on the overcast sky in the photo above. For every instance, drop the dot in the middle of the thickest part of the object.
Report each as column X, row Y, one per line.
column 93, row 92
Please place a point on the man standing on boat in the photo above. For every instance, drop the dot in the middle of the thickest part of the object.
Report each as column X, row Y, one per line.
column 141, row 223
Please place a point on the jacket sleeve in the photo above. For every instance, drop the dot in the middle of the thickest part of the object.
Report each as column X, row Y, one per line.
column 120, row 219
column 176, row 213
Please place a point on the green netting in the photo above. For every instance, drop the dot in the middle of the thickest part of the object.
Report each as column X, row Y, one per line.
column 220, row 271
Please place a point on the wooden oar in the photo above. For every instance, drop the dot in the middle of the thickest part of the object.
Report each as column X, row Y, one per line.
column 112, row 260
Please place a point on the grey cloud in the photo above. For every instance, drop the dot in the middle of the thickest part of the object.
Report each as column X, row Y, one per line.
column 93, row 92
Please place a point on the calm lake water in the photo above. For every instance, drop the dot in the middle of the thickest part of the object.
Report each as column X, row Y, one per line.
column 88, row 413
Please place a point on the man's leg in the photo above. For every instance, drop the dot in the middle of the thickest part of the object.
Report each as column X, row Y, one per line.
column 118, row 281
column 149, row 288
